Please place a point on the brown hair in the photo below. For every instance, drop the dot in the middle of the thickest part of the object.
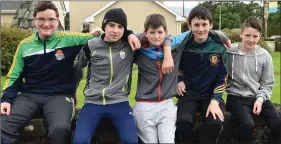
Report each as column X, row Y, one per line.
column 252, row 22
column 200, row 12
column 44, row 5
column 154, row 21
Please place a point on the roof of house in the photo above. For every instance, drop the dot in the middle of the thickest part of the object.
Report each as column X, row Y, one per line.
column 10, row 6
column 91, row 17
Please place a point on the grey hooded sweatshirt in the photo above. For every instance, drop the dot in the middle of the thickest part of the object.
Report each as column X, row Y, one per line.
column 250, row 75
column 109, row 71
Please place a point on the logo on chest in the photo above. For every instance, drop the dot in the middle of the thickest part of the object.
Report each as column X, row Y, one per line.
column 59, row 55
column 214, row 59
column 122, row 54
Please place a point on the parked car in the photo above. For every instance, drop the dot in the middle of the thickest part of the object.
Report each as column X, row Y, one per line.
column 275, row 36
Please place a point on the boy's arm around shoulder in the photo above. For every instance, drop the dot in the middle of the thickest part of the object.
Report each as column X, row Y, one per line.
column 220, row 37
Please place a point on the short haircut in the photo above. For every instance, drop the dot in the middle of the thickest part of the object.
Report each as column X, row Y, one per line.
column 155, row 21
column 200, row 12
column 44, row 5
column 252, row 22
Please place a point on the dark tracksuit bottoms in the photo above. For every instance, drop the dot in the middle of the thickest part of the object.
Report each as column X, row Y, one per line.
column 122, row 119
column 57, row 113
column 242, row 109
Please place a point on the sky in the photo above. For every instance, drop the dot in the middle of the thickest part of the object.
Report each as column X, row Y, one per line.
column 187, row 4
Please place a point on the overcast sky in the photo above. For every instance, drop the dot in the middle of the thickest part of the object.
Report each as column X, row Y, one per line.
column 187, row 4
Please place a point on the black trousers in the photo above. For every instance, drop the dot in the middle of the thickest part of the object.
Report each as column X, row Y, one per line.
column 242, row 109
column 186, row 116
column 57, row 112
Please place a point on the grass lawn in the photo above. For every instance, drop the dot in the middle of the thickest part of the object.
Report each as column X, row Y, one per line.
column 275, row 94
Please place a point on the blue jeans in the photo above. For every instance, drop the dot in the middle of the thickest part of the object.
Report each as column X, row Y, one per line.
column 122, row 119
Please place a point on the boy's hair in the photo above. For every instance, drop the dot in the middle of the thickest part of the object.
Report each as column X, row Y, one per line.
column 44, row 5
column 252, row 22
column 155, row 21
column 200, row 12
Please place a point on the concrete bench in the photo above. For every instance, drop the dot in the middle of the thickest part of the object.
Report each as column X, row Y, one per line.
column 34, row 131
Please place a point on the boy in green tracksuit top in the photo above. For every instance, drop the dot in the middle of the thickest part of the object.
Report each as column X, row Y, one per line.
column 202, row 79
column 251, row 79
column 42, row 71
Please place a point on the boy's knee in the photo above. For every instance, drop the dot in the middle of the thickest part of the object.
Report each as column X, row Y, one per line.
column 59, row 131
column 184, row 124
column 247, row 125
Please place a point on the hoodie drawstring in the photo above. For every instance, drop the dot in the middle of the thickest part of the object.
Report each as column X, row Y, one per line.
column 232, row 69
column 256, row 59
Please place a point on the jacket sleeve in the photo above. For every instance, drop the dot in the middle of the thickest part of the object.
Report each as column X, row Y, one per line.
column 222, row 76
column 76, row 38
column 83, row 59
column 14, row 78
column 144, row 42
column 220, row 37
column 266, row 80
column 179, row 38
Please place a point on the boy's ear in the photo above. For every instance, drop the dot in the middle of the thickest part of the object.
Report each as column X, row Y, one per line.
column 211, row 26
column 188, row 26
column 166, row 32
column 241, row 34
column 144, row 33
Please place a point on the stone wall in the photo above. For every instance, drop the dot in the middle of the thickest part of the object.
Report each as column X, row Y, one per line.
column 35, row 133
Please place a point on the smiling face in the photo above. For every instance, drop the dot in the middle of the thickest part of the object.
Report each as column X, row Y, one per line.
column 113, row 32
column 46, row 23
column 250, row 37
column 200, row 29
column 156, row 36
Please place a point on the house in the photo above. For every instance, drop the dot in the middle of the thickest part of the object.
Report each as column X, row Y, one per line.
column 88, row 15
column 9, row 10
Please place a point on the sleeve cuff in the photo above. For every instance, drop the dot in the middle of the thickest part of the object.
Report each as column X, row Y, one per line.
column 6, row 99
column 168, row 40
column 261, row 99
column 217, row 97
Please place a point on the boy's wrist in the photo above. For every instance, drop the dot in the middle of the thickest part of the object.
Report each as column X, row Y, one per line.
column 261, row 99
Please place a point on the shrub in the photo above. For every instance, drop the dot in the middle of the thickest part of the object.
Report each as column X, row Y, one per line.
column 10, row 38
column 234, row 36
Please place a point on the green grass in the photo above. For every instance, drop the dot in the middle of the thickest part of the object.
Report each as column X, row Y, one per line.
column 275, row 94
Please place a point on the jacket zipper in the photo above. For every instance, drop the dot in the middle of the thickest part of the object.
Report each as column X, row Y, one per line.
column 111, row 76
column 44, row 45
column 160, row 75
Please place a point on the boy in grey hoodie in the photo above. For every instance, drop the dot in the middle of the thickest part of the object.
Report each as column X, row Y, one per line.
column 250, row 83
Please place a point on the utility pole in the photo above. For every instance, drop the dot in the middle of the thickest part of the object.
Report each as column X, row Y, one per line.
column 183, row 8
column 265, row 8
column 220, row 18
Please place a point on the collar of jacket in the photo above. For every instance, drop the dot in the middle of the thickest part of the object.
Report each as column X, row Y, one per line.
column 52, row 37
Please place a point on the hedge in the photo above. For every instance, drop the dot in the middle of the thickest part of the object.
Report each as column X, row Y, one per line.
column 10, row 38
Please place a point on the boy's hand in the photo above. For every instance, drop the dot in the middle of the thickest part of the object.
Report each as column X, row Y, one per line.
column 5, row 108
column 96, row 32
column 227, row 44
column 134, row 42
column 215, row 110
column 257, row 107
column 181, row 88
column 168, row 63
